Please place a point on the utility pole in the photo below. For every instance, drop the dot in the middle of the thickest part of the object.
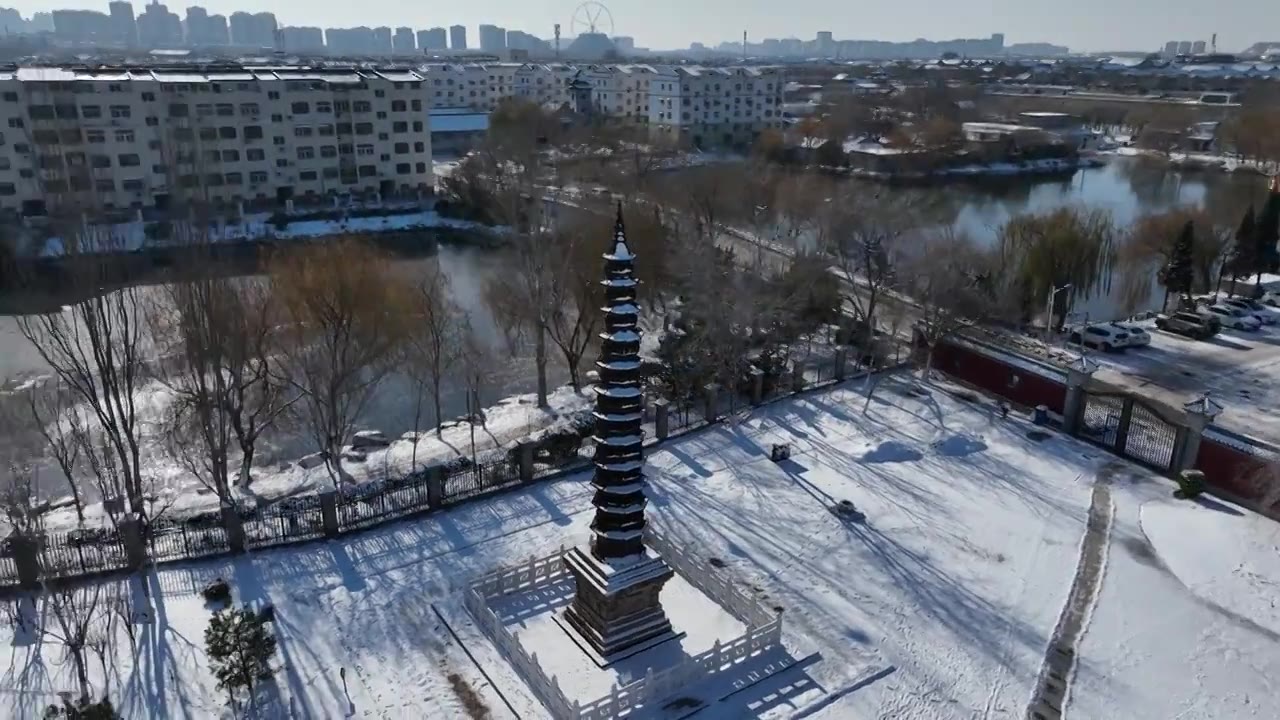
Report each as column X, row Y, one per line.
column 557, row 41
column 744, row 46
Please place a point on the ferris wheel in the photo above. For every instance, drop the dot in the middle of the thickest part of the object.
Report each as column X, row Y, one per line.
column 592, row 17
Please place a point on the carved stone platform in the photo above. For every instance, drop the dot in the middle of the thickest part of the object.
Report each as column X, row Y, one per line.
column 616, row 607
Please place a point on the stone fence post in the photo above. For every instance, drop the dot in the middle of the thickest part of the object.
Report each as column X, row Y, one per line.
column 135, row 545
column 661, row 418
column 526, row 461
column 234, row 527
column 1200, row 413
column 435, row 487
column 710, row 402
column 26, row 557
column 842, row 357
column 797, row 376
column 1078, row 375
column 329, row 513
column 757, row 386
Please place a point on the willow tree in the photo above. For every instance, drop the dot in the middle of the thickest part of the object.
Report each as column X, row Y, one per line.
column 1039, row 253
column 1153, row 244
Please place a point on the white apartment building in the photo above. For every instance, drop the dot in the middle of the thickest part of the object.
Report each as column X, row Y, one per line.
column 715, row 105
column 134, row 137
column 481, row 87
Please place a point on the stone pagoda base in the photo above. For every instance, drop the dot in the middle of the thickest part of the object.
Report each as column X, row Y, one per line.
column 616, row 607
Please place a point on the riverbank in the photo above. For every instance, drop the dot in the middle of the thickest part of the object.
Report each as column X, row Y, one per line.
column 1045, row 166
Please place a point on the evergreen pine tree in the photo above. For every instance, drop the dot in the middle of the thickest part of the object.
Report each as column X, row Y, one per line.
column 240, row 648
column 1242, row 262
column 1268, row 233
column 1178, row 274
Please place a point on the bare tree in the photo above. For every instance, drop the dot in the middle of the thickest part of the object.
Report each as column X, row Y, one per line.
column 62, row 424
column 947, row 276
column 433, row 344
column 576, row 297
column 343, row 318
column 96, row 349
column 863, row 234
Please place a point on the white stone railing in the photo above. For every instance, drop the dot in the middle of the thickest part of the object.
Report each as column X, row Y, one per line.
column 712, row 581
column 764, row 631
column 533, row 573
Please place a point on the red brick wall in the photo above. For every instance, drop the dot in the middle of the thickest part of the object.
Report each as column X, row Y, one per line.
column 1234, row 471
column 989, row 373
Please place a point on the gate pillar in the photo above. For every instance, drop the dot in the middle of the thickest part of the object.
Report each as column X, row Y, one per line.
column 1122, row 430
column 1200, row 413
column 1078, row 374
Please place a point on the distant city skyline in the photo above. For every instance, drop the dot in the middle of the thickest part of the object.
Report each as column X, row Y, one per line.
column 1084, row 25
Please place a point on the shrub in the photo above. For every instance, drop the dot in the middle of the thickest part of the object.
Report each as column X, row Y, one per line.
column 217, row 591
column 84, row 709
column 240, row 648
column 1190, row 483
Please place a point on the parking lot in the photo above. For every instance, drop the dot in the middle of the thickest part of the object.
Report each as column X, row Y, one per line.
column 1240, row 369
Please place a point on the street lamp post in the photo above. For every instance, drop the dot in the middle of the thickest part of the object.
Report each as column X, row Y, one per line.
column 1048, row 319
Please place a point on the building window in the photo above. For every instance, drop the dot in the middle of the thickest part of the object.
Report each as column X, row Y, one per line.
column 40, row 112
column 324, row 107
column 204, row 110
column 417, row 126
column 277, row 118
column 379, row 93
column 362, row 106
column 100, row 161
column 249, row 109
column 226, row 132
column 307, row 175
column 325, row 131
column 398, row 106
column 404, row 169
column 105, row 185
column 416, row 105
column 230, row 156
column 420, row 168
column 302, row 131
column 121, row 111
column 124, row 136
column 277, row 140
column 330, row 173
column 208, row 133
column 132, row 185
column 401, row 148
column 364, row 128
column 257, row 177
column 233, row 178
column 255, row 155
column 282, row 163
column 89, row 112
column 252, row 132
column 381, row 115
column 400, row 127
column 306, row 153
column 16, row 123
column 212, row 156
column 129, row 160
column 419, row 147
column 273, row 95
column 300, row 108
column 328, row 151
column 11, row 97
column 225, row 110
column 365, row 150
column 179, row 110
column 368, row 171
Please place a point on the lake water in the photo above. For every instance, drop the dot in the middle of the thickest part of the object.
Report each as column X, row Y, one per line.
column 1127, row 187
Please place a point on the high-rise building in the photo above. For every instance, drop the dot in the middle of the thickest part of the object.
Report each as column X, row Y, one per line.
column 1197, row 47
column 159, row 28
column 1171, row 48
column 82, row 26
column 382, row 40
column 520, row 40
column 257, row 30
column 1184, row 47
column 302, row 39
column 457, row 37
column 402, row 41
column 625, row 43
column 434, row 39
column 41, row 22
column 349, row 41
column 492, row 38
column 204, row 29
column 124, row 28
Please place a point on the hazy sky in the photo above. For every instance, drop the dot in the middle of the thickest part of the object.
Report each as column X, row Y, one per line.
column 1080, row 24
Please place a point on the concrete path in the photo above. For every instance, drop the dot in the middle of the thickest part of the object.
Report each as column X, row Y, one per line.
column 1059, row 666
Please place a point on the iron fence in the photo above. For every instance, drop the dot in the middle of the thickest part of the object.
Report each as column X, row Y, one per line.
column 82, row 552
column 198, row 537
column 293, row 520
column 382, row 502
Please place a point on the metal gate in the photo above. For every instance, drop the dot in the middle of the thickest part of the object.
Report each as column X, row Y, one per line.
column 1130, row 426
column 1151, row 439
column 1101, row 421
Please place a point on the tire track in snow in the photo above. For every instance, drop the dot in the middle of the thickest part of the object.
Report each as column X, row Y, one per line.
column 1053, row 685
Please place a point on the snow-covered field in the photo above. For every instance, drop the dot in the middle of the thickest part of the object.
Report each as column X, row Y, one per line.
column 949, row 578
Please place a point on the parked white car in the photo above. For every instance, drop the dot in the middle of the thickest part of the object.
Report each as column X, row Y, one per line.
column 1230, row 317
column 1103, row 336
column 1254, row 308
column 1271, row 298
column 1137, row 336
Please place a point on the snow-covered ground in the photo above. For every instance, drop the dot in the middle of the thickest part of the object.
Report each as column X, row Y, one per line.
column 1198, row 160
column 949, row 578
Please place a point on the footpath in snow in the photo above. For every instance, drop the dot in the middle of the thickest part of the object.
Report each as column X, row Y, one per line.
column 943, row 582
